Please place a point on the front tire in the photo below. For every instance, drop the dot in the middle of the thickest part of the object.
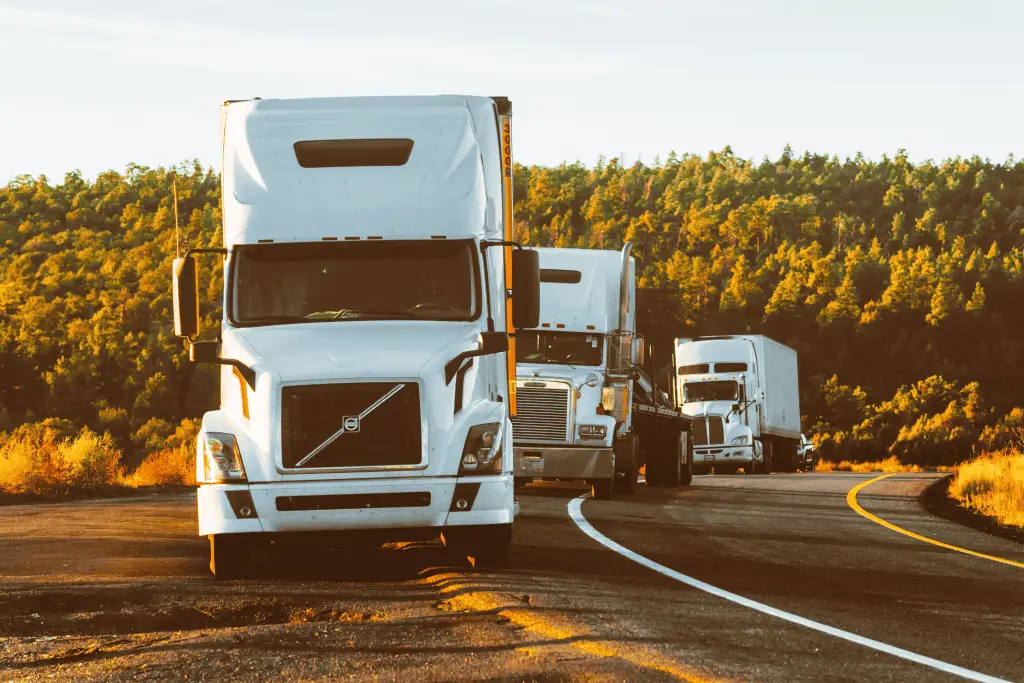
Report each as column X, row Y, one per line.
column 765, row 466
column 484, row 546
column 230, row 556
column 626, row 483
column 601, row 489
column 687, row 477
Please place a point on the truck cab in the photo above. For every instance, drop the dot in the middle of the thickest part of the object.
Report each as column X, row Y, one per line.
column 577, row 379
column 715, row 379
column 367, row 375
column 742, row 392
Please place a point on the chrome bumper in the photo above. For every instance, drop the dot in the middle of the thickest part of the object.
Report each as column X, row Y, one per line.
column 722, row 455
column 564, row 463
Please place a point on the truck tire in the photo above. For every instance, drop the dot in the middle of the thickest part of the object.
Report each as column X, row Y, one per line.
column 484, row 546
column 627, row 455
column 625, row 482
column 784, row 455
column 687, row 477
column 230, row 556
column 601, row 489
column 674, row 464
column 765, row 466
column 520, row 482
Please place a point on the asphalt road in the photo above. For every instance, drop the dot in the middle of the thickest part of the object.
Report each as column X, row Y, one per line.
column 119, row 589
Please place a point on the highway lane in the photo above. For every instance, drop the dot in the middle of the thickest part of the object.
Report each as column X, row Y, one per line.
column 119, row 588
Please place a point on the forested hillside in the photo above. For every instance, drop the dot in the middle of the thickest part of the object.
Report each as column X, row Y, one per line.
column 900, row 284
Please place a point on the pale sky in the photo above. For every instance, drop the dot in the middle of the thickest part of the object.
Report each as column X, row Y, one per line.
column 96, row 85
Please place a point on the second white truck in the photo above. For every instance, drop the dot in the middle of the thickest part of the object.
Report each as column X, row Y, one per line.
column 586, row 411
column 743, row 393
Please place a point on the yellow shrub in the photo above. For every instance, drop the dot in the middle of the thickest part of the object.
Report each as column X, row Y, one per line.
column 33, row 460
column 890, row 464
column 166, row 467
column 992, row 484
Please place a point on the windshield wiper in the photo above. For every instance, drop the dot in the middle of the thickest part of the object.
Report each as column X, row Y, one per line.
column 350, row 314
column 273, row 319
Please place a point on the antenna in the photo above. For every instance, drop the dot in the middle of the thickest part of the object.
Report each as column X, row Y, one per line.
column 174, row 192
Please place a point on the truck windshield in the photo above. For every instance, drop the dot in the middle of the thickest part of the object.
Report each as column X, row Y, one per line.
column 567, row 348
column 386, row 280
column 710, row 391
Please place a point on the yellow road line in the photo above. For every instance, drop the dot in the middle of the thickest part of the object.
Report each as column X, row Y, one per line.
column 562, row 632
column 851, row 500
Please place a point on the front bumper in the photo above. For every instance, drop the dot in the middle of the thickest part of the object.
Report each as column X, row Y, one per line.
column 564, row 462
column 723, row 455
column 493, row 504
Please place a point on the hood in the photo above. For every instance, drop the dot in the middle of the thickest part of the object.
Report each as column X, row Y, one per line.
column 577, row 374
column 371, row 349
column 702, row 408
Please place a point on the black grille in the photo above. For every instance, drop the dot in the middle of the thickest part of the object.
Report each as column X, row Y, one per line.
column 716, row 430
column 387, row 435
column 700, row 432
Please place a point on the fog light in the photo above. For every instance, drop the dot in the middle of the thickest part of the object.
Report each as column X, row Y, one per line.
column 462, row 504
column 246, row 511
column 593, row 431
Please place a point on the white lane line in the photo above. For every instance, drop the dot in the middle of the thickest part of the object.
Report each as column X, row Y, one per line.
column 576, row 513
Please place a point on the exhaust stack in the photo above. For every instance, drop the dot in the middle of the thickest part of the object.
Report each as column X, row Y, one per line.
column 624, row 287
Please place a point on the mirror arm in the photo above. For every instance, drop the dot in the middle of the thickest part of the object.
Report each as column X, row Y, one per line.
column 247, row 373
column 207, row 250
column 452, row 366
column 499, row 243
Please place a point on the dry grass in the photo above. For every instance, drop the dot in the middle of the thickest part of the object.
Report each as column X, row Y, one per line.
column 889, row 465
column 35, row 460
column 992, row 484
column 166, row 467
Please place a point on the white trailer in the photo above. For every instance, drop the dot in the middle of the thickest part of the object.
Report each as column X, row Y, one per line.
column 743, row 392
column 367, row 379
column 585, row 410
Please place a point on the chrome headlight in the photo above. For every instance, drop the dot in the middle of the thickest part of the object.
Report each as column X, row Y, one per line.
column 221, row 460
column 740, row 440
column 593, row 431
column 482, row 451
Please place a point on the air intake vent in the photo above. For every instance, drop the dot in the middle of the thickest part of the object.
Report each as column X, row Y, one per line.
column 700, row 432
column 542, row 414
column 716, row 430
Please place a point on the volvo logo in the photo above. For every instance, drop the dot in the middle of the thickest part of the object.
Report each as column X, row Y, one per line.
column 350, row 423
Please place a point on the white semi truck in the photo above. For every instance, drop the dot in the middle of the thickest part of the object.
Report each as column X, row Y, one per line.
column 586, row 411
column 366, row 343
column 743, row 393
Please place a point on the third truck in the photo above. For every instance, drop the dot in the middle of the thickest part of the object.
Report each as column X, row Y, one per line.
column 743, row 394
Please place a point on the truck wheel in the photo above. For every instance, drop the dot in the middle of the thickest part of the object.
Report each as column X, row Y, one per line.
column 520, row 482
column 784, row 456
column 229, row 555
column 484, row 546
column 765, row 466
column 601, row 489
column 627, row 455
column 674, row 464
column 626, row 483
column 687, row 478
